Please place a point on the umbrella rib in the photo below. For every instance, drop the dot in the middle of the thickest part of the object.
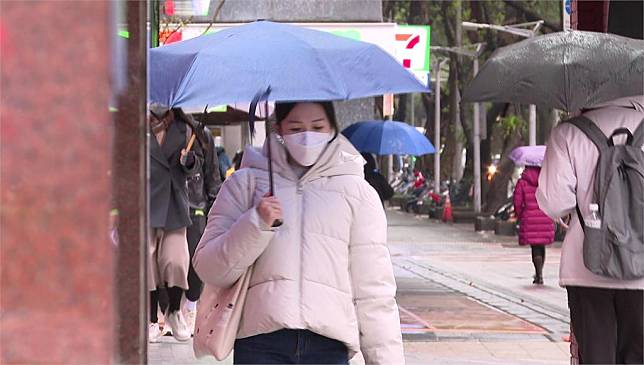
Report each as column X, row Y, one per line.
column 377, row 134
column 327, row 68
column 185, row 79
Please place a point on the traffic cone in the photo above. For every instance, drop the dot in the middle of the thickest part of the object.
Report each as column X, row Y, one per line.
column 447, row 211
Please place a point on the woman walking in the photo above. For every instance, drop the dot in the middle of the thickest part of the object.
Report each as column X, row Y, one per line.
column 168, row 256
column 535, row 227
column 322, row 286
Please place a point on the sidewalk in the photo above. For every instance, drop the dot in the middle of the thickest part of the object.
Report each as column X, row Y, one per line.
column 171, row 352
column 464, row 298
column 473, row 291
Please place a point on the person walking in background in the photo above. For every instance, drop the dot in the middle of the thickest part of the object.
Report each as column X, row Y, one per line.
column 203, row 187
column 236, row 165
column 375, row 178
column 224, row 162
column 535, row 227
column 168, row 256
column 606, row 313
column 322, row 288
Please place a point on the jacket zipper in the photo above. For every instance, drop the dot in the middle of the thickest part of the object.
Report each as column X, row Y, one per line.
column 300, row 193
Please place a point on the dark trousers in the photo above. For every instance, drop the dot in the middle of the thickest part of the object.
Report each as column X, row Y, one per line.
column 290, row 347
column 194, row 233
column 608, row 324
column 168, row 298
column 538, row 260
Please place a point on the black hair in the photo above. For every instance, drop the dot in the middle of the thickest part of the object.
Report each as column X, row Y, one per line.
column 282, row 110
column 237, row 159
column 371, row 162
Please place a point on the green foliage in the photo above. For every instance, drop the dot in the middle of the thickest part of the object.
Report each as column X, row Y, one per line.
column 512, row 124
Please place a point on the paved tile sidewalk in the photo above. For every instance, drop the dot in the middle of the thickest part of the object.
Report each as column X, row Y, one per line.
column 171, row 352
column 442, row 260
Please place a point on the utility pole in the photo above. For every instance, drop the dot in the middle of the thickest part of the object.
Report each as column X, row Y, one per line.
column 477, row 148
column 477, row 126
column 437, row 126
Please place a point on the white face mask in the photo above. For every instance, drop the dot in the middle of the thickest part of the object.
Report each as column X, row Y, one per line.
column 306, row 147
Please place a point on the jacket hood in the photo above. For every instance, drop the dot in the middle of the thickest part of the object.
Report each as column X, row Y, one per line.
column 531, row 175
column 339, row 158
column 634, row 102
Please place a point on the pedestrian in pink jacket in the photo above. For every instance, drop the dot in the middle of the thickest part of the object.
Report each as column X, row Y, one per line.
column 536, row 228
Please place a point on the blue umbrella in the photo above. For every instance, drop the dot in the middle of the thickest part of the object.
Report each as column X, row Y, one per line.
column 388, row 138
column 297, row 64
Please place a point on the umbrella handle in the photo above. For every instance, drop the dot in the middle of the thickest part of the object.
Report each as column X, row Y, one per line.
column 271, row 184
column 191, row 142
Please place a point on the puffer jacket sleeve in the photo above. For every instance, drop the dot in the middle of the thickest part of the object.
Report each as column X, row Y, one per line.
column 518, row 198
column 235, row 235
column 374, row 286
column 556, row 194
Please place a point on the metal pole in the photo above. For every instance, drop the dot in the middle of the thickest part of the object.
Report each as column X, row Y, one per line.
column 437, row 128
column 533, row 125
column 533, row 108
column 154, row 23
column 413, row 118
column 390, row 160
column 477, row 149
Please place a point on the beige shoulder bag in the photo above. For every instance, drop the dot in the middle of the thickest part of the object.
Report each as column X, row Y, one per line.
column 219, row 312
column 218, row 317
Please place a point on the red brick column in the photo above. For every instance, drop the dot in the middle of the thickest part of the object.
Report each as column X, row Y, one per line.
column 57, row 262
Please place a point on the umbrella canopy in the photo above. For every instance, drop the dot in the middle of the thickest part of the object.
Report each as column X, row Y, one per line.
column 388, row 138
column 566, row 70
column 528, row 155
column 296, row 63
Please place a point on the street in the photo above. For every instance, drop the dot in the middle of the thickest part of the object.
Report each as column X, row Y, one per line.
column 464, row 298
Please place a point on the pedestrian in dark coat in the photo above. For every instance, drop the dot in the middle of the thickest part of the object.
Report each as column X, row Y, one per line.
column 375, row 178
column 168, row 257
column 536, row 228
column 203, row 187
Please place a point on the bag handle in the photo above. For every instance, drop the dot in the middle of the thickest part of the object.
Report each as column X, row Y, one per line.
column 619, row 131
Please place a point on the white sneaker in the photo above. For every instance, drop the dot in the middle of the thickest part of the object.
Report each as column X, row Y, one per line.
column 178, row 326
column 154, row 333
column 191, row 318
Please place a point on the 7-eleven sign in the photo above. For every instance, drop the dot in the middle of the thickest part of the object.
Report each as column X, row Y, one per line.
column 412, row 47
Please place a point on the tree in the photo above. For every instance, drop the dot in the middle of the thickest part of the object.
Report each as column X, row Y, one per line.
column 457, row 128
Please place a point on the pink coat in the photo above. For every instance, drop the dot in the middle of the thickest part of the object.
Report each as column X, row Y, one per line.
column 536, row 228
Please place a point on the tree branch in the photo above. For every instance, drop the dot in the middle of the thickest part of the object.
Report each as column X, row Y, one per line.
column 214, row 17
column 532, row 16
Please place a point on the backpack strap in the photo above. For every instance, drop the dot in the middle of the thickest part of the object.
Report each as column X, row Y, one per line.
column 591, row 130
column 638, row 135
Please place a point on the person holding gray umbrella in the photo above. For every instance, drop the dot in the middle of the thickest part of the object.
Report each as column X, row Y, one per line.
column 599, row 76
column 322, row 288
column 606, row 312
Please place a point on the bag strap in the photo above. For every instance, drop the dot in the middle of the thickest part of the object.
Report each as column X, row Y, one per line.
column 638, row 135
column 581, row 218
column 591, row 130
column 599, row 139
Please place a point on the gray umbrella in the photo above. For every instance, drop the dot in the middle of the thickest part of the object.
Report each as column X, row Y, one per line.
column 566, row 70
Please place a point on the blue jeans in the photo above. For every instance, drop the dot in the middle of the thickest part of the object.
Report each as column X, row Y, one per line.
column 290, row 347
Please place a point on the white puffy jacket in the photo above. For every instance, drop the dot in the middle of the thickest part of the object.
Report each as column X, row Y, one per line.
column 326, row 269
